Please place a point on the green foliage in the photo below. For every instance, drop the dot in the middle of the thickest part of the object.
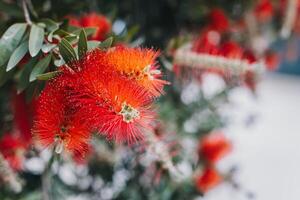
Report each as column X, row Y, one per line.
column 17, row 55
column 10, row 40
column 36, row 39
column 82, row 44
column 106, row 43
column 23, row 80
column 47, row 76
column 67, row 51
column 40, row 67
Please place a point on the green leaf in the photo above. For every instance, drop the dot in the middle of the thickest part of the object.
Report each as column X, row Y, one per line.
column 23, row 80
column 36, row 38
column 92, row 44
column 47, row 76
column 89, row 31
column 82, row 44
column 62, row 33
column 17, row 55
column 51, row 27
column 10, row 40
column 40, row 67
column 50, row 24
column 71, row 38
column 106, row 43
column 66, row 50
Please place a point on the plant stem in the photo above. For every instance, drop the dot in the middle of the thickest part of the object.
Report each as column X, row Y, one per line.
column 26, row 13
column 46, row 178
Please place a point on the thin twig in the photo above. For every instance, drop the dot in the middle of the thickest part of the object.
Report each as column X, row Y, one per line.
column 26, row 13
column 46, row 178
column 159, row 148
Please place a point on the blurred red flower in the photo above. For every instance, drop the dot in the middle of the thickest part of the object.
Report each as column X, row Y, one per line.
column 232, row 50
column 100, row 22
column 264, row 10
column 22, row 116
column 214, row 146
column 209, row 179
column 93, row 20
column 207, row 42
column 73, row 20
column 218, row 20
column 272, row 60
column 12, row 148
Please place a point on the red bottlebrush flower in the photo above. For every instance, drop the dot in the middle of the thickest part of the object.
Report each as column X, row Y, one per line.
column 101, row 23
column 272, row 60
column 209, row 179
column 218, row 20
column 57, row 123
column 214, row 147
column 231, row 50
column 12, row 148
column 22, row 118
column 264, row 10
column 135, row 64
column 115, row 106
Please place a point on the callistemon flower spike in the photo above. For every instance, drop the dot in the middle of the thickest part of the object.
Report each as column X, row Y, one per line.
column 137, row 64
column 57, row 123
column 115, row 106
column 185, row 57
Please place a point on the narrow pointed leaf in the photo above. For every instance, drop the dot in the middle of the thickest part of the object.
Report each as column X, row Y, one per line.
column 82, row 44
column 106, row 43
column 88, row 30
column 10, row 40
column 36, row 38
column 40, row 67
column 67, row 51
column 47, row 76
column 17, row 55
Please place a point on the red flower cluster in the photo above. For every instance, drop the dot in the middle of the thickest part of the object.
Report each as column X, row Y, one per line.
column 93, row 20
column 213, row 40
column 212, row 148
column 109, row 92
